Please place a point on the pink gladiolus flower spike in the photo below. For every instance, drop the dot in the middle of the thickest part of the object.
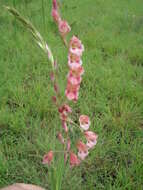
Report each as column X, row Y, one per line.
column 84, row 122
column 47, row 159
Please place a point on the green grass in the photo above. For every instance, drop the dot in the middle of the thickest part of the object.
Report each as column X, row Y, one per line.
column 111, row 93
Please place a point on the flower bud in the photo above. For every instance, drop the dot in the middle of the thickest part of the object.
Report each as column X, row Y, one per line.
column 47, row 159
column 60, row 138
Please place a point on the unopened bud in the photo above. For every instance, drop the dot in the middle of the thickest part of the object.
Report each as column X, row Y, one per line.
column 54, row 99
column 60, row 138
column 52, row 77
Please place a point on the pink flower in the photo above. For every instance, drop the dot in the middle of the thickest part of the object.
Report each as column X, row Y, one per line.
column 76, row 47
column 64, row 28
column 91, row 138
column 71, row 95
column 74, row 161
column 82, row 150
column 67, row 108
column 90, row 135
column 75, row 43
column 84, row 122
column 71, row 87
column 64, row 110
column 47, row 159
column 73, row 57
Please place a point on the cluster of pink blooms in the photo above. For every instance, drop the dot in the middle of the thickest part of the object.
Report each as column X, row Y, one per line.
column 75, row 69
column 74, row 79
column 63, row 26
column 83, row 148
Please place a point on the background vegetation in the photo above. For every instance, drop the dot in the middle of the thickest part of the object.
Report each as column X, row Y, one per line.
column 111, row 92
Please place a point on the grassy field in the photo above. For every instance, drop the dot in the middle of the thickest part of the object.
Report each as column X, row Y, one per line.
column 111, row 93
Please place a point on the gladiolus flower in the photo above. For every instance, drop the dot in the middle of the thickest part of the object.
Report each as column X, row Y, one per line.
column 91, row 138
column 67, row 108
column 84, row 122
column 76, row 47
column 78, row 71
column 47, row 159
column 74, row 161
column 74, row 65
column 64, row 110
column 73, row 57
column 72, row 88
column 82, row 150
column 74, row 80
column 90, row 135
column 64, row 28
column 71, row 95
